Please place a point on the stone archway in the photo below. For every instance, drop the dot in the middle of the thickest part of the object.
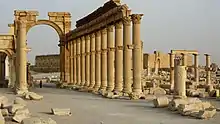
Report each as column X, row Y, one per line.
column 24, row 20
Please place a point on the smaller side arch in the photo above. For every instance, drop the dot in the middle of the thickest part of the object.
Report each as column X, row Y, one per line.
column 49, row 23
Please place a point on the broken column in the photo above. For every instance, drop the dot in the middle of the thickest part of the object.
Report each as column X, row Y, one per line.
column 180, row 81
column 196, row 68
column 208, row 71
column 172, row 70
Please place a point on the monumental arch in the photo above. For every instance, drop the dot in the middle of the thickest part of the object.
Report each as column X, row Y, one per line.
column 105, row 46
column 24, row 20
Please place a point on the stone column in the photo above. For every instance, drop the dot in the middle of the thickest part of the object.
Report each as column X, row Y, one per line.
column 184, row 60
column 104, row 59
column 118, row 57
column 74, row 62
column 71, row 62
column 21, row 72
column 127, row 58
column 111, row 58
column 12, row 72
column 137, row 65
column 97, row 61
column 78, row 63
column 1, row 60
column 196, row 68
column 208, row 71
column 62, row 47
column 180, row 81
column 172, row 70
column 92, row 61
column 87, row 61
column 83, row 61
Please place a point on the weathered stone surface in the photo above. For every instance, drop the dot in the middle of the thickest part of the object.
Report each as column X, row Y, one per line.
column 214, row 93
column 109, row 94
column 3, row 99
column 61, row 112
column 203, row 94
column 19, row 100
column 12, row 109
column 38, row 120
column 4, row 112
column 2, row 119
column 157, row 91
column 150, row 97
column 33, row 96
column 189, row 108
column 134, row 96
column 21, row 114
column 6, row 105
column 206, row 114
column 161, row 102
column 173, row 104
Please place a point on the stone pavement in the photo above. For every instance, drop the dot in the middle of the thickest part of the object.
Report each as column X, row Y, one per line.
column 87, row 108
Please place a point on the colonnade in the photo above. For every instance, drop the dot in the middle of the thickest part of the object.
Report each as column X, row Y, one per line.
column 196, row 67
column 104, row 59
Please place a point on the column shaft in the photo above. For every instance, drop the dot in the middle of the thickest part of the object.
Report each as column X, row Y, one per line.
column 78, row 62
column 87, row 61
column 21, row 54
column 92, row 60
column 74, row 63
column 137, row 65
column 172, row 71
column 184, row 56
column 127, row 55
column 208, row 72
column 118, row 57
column 97, row 61
column 104, row 59
column 111, row 58
column 71, row 62
column 196, row 68
column 83, row 61
column 180, row 81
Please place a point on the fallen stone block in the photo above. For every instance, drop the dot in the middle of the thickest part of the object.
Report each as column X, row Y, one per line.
column 19, row 100
column 134, row 96
column 38, row 120
column 203, row 94
column 12, row 109
column 3, row 99
column 21, row 114
column 173, row 104
column 214, row 93
column 161, row 102
column 61, row 112
column 206, row 114
column 189, row 108
column 33, row 96
column 2, row 119
column 4, row 112
column 150, row 97
column 6, row 105
column 108, row 94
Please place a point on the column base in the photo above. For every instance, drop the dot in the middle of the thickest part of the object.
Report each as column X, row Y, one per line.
column 21, row 92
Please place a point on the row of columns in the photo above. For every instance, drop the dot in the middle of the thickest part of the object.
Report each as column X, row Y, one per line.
column 196, row 68
column 100, row 62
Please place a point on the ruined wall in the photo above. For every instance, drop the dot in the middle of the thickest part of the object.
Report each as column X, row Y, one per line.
column 47, row 63
column 163, row 60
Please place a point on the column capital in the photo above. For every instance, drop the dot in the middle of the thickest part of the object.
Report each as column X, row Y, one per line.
column 136, row 18
column 127, row 21
column 92, row 35
column 22, row 23
column 78, row 40
column 98, row 33
column 110, row 28
column 207, row 55
column 87, row 37
column 118, row 25
column 104, row 31
column 82, row 38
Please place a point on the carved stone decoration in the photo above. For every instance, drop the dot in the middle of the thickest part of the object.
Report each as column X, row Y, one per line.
column 127, row 21
column 118, row 25
column 136, row 18
column 110, row 28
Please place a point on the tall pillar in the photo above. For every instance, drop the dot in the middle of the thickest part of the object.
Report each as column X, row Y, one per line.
column 83, row 61
column 137, row 65
column 104, row 59
column 111, row 58
column 62, row 47
column 208, row 71
column 74, row 62
column 118, row 57
column 92, row 61
column 127, row 58
column 78, row 62
column 184, row 60
column 196, row 68
column 1, row 60
column 21, row 72
column 172, row 70
column 87, row 61
column 180, row 81
column 97, row 61
column 71, row 62
column 12, row 71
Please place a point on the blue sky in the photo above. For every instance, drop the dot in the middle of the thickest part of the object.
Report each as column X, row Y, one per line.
column 166, row 25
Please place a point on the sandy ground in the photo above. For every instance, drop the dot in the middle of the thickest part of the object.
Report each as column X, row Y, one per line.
column 92, row 109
